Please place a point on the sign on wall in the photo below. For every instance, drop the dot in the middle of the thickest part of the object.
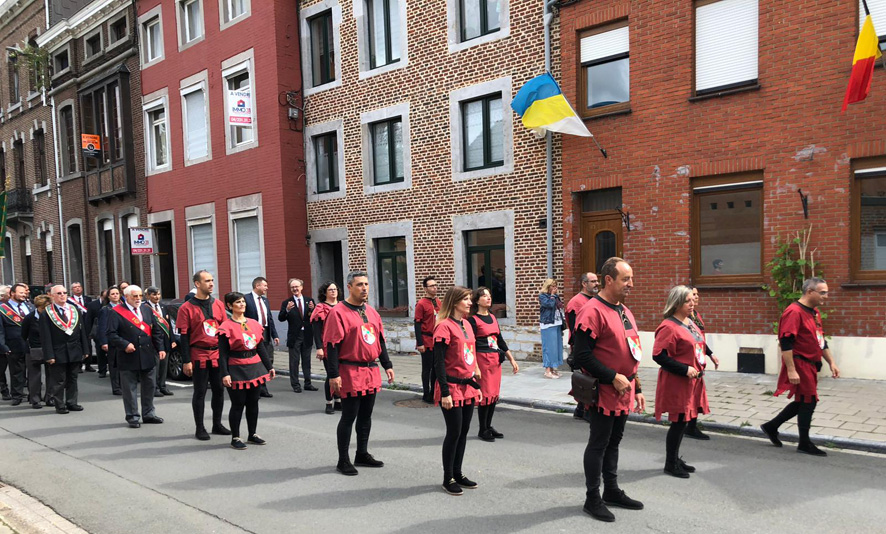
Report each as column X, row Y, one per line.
column 141, row 240
column 91, row 145
column 239, row 108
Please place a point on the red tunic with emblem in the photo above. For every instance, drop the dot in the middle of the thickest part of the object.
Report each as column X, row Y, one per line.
column 616, row 345
column 460, row 360
column 574, row 306
column 675, row 394
column 804, row 324
column 426, row 315
column 487, row 335
column 358, row 340
column 245, row 366
column 202, row 332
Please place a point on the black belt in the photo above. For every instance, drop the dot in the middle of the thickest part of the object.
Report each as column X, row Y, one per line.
column 632, row 377
column 817, row 364
column 357, row 364
column 463, row 381
column 204, row 348
column 429, row 334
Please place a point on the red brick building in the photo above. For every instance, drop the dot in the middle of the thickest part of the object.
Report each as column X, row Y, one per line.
column 224, row 196
column 715, row 115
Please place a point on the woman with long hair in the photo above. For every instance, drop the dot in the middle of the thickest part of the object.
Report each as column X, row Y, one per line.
column 701, row 394
column 491, row 352
column 245, row 365
column 457, row 389
column 551, row 325
column 680, row 351
column 327, row 297
column 100, row 334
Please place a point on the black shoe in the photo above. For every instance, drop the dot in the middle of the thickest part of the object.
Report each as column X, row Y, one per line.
column 598, row 510
column 166, row 392
column 102, row 375
column 238, row 445
column 266, row 394
column 74, row 407
column 451, row 487
column 346, row 468
column 36, row 406
column 153, row 420
column 486, row 435
column 80, row 371
column 337, row 406
column 495, row 433
column 16, row 402
column 89, row 369
column 202, row 434
column 620, row 499
column 330, row 410
column 117, row 392
column 696, row 434
column 6, row 395
column 256, row 439
column 220, row 430
column 366, row 460
column 310, row 387
column 296, row 388
column 61, row 410
column 688, row 468
column 50, row 402
column 676, row 470
column 158, row 393
column 465, row 482
column 427, row 400
column 134, row 424
column 810, row 448
column 771, row 433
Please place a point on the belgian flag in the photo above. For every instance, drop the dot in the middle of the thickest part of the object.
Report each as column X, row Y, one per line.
column 867, row 52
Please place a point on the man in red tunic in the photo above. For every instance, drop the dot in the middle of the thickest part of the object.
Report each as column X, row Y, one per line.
column 425, row 315
column 354, row 339
column 589, row 287
column 198, row 320
column 803, row 346
column 607, row 347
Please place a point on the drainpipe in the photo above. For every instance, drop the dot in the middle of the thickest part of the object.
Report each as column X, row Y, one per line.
column 549, row 149
column 63, row 231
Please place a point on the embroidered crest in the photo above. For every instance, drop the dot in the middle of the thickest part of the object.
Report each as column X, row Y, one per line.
column 210, row 327
column 249, row 340
column 469, row 354
column 493, row 342
column 367, row 331
column 634, row 345
column 820, row 336
column 66, row 326
column 699, row 353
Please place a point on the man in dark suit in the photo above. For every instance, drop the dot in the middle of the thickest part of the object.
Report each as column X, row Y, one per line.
column 257, row 308
column 170, row 338
column 77, row 298
column 65, row 345
column 135, row 336
column 296, row 311
column 93, row 310
column 12, row 313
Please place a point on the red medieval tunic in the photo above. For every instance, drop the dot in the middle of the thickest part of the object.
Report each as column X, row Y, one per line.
column 617, row 346
column 243, row 362
column 202, row 331
column 804, row 324
column 460, row 360
column 358, row 338
column 676, row 394
column 574, row 306
column 425, row 316
column 700, row 392
column 490, row 346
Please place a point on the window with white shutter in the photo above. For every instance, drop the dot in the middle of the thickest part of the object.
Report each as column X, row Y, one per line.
column 196, row 142
column 726, row 44
column 878, row 17
column 604, row 81
column 202, row 246
column 247, row 252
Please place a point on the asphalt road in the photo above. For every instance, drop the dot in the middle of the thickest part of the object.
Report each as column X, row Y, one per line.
column 108, row 478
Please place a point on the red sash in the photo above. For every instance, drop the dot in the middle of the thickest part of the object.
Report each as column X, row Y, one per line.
column 124, row 312
column 10, row 314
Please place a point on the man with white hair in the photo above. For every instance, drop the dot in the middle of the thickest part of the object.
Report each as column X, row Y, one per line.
column 65, row 345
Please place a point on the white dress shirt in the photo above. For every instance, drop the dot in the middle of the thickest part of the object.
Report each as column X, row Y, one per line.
column 260, row 308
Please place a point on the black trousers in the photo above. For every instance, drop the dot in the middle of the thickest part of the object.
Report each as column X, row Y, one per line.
column 326, row 388
column 114, row 373
column 300, row 352
column 4, row 363
column 63, row 383
column 102, row 360
column 35, row 378
column 162, row 368
column 601, row 454
column 428, row 376
column 458, row 422
column 353, row 409
column 240, row 399
column 17, row 381
column 205, row 378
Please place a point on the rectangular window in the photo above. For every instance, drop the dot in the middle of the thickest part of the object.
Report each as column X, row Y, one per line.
column 8, row 268
column 605, row 83
column 40, row 158
column 3, row 170
column 384, row 32
column 202, row 247
column 241, row 133
column 331, row 262
column 118, row 30
column 326, row 156
column 485, row 254
column 387, row 151
column 234, row 9
column 868, row 220
column 483, row 132
column 247, row 251
column 115, row 122
column 14, row 85
column 191, row 20
column 101, row 116
column 322, row 49
column 479, row 17
column 878, row 16
column 153, row 40
column 92, row 44
column 393, row 288
column 61, row 61
column 726, row 44
column 157, row 141
column 75, row 246
column 29, row 274
column 196, row 140
column 69, row 149
column 18, row 149
column 727, row 229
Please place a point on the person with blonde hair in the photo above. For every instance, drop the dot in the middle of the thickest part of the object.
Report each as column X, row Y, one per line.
column 551, row 325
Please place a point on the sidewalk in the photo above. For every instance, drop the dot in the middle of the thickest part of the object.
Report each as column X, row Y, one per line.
column 22, row 514
column 851, row 413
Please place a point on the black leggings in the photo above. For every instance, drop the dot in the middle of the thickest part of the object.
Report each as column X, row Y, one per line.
column 803, row 412
column 601, row 454
column 484, row 415
column 204, row 378
column 675, row 437
column 353, row 409
column 458, row 422
column 243, row 398
column 326, row 389
column 428, row 376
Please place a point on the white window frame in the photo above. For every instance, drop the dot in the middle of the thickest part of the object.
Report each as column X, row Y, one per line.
column 363, row 63
column 713, row 56
column 224, row 21
column 197, row 82
column 243, row 208
column 305, row 37
column 381, row 231
column 366, row 121
column 125, row 38
column 242, row 62
column 89, row 58
column 143, row 22
column 126, row 219
column 453, row 24
column 181, row 22
column 164, row 216
column 195, row 216
column 63, row 153
column 878, row 16
column 501, row 85
column 328, row 235
column 104, row 222
column 152, row 102
column 66, row 48
column 311, row 132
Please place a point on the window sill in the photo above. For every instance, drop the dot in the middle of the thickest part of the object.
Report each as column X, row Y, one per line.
column 41, row 189
column 33, row 96
column 726, row 92
column 369, row 73
column 118, row 43
column 13, row 107
column 608, row 114
column 193, row 42
column 859, row 284
column 152, row 171
column 59, row 74
column 71, row 176
column 323, row 87
column 457, row 45
column 93, row 58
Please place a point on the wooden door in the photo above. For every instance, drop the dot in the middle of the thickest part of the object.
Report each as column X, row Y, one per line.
column 601, row 238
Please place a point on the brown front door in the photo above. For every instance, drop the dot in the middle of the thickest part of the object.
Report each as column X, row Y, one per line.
column 601, row 239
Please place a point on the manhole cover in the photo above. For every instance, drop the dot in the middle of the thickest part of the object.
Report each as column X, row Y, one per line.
column 412, row 403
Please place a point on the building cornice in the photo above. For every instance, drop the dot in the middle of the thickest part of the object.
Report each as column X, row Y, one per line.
column 11, row 9
column 82, row 21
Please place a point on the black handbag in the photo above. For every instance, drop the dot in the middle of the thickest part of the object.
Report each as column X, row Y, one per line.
column 585, row 388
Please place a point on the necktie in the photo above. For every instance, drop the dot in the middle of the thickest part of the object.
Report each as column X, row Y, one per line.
column 261, row 311
column 61, row 313
column 301, row 312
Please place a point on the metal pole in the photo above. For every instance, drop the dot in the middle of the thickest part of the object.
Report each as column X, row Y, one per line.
column 61, row 231
column 549, row 151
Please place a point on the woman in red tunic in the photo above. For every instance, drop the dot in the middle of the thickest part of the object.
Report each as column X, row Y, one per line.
column 245, row 365
column 679, row 350
column 457, row 389
column 327, row 297
column 701, row 393
column 491, row 352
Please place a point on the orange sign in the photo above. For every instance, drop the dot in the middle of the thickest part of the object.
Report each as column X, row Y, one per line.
column 91, row 145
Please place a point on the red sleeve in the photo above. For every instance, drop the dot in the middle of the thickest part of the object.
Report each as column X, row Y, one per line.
column 183, row 319
column 442, row 333
column 333, row 329
column 789, row 325
column 665, row 339
column 589, row 319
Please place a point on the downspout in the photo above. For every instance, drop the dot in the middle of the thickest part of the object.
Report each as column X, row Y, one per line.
column 63, row 231
column 549, row 150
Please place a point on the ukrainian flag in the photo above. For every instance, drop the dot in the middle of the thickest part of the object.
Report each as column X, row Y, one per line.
column 543, row 108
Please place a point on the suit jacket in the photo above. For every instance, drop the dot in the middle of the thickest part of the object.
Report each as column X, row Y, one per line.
column 31, row 330
column 93, row 310
column 297, row 321
column 59, row 346
column 167, row 340
column 270, row 333
column 121, row 332
column 11, row 331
